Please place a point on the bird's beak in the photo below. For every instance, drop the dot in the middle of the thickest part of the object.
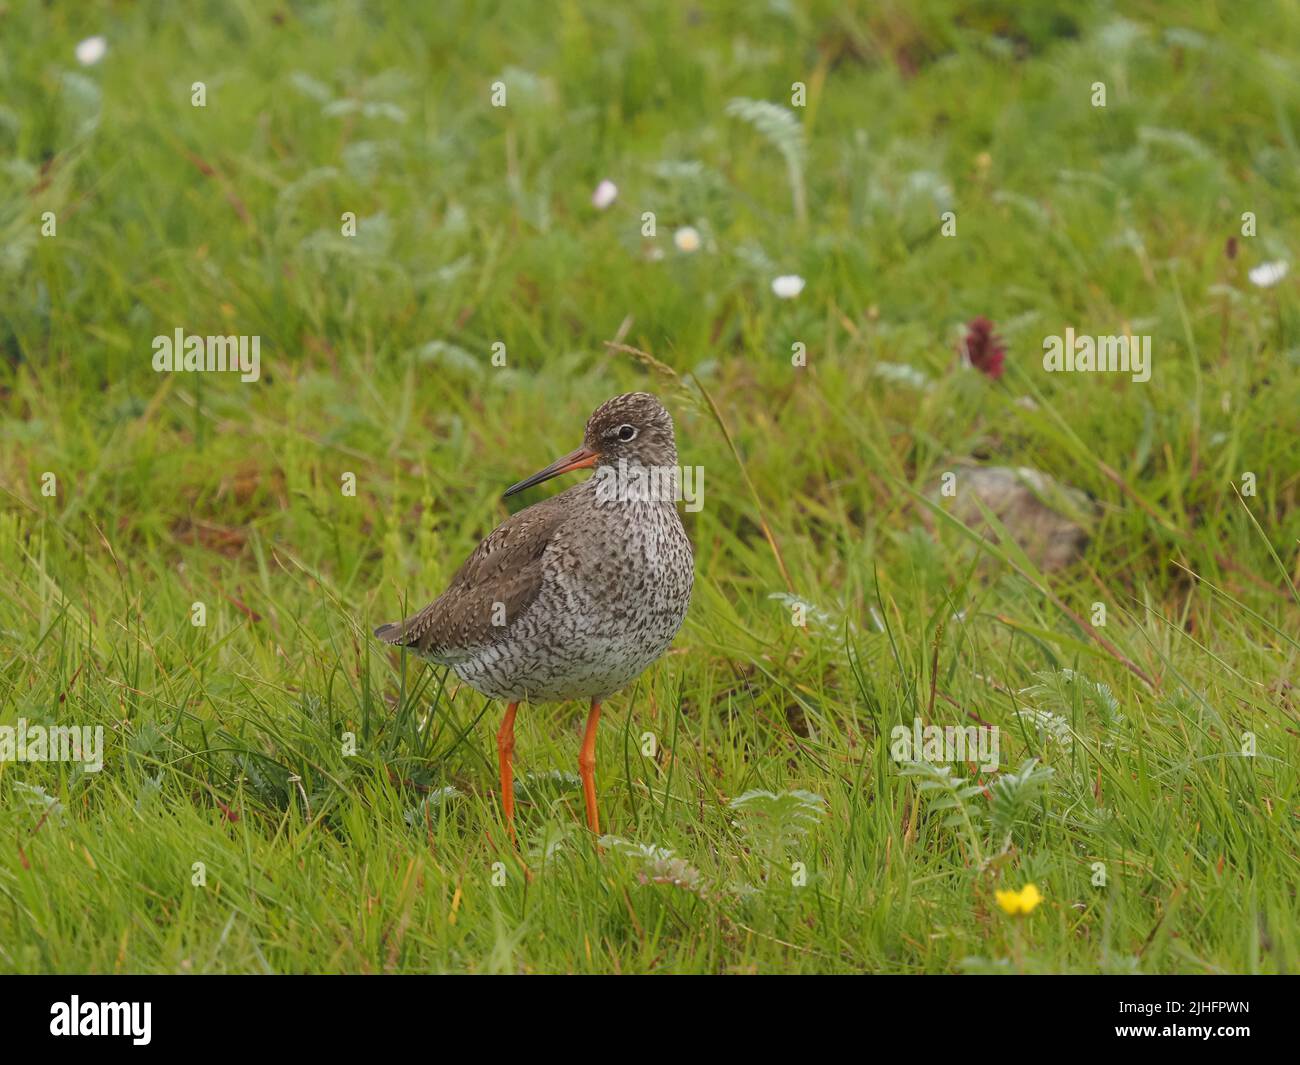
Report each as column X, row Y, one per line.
column 582, row 459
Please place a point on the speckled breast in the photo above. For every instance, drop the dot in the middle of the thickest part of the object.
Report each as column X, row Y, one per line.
column 616, row 584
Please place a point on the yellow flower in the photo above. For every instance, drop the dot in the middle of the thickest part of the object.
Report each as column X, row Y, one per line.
column 1022, row 901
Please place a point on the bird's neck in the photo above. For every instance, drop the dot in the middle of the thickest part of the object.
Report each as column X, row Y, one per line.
column 632, row 482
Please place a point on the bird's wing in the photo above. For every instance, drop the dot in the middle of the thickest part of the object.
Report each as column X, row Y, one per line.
column 495, row 586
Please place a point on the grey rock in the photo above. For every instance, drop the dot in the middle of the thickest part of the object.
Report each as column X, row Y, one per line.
column 1048, row 519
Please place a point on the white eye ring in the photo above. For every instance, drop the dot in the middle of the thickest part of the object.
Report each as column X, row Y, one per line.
column 627, row 432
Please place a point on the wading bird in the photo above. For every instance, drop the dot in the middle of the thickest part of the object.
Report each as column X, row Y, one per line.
column 573, row 597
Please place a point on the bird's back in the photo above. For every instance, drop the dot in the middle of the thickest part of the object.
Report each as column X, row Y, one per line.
column 495, row 585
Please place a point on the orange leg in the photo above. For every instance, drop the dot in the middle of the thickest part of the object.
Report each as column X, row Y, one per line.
column 505, row 751
column 587, row 767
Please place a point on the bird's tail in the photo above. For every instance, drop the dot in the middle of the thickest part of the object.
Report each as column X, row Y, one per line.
column 394, row 632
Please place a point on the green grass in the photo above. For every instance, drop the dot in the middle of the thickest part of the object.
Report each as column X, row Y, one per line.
column 225, row 744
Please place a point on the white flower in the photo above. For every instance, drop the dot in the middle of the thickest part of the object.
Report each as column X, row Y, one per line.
column 787, row 286
column 605, row 194
column 687, row 239
column 901, row 373
column 1266, row 275
column 91, row 51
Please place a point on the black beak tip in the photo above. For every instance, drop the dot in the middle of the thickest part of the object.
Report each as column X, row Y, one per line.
column 520, row 486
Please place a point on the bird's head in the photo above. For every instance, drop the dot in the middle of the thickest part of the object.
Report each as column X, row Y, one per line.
column 634, row 427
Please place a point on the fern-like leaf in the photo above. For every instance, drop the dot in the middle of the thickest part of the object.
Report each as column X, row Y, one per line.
column 431, row 807
column 952, row 796
column 1056, row 689
column 655, row 864
column 780, row 128
column 776, row 823
column 1051, row 727
column 1013, row 798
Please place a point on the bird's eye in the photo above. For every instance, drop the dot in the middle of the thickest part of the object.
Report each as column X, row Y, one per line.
column 626, row 432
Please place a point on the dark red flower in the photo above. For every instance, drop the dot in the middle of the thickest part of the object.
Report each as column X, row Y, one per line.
column 983, row 347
